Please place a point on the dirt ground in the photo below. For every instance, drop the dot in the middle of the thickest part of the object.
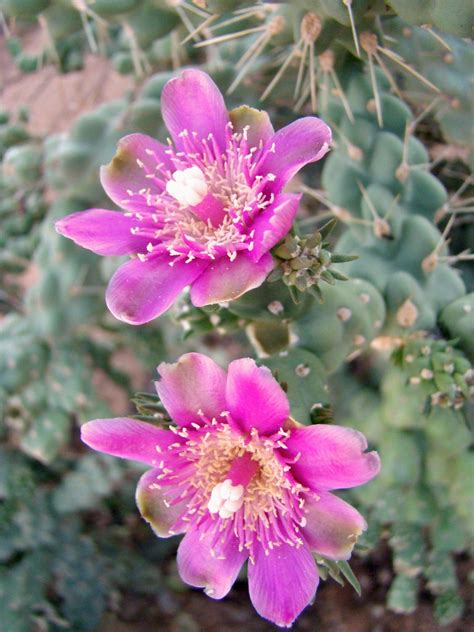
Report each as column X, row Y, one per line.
column 336, row 609
column 54, row 101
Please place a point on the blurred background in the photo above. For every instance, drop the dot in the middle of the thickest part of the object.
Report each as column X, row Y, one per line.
column 75, row 77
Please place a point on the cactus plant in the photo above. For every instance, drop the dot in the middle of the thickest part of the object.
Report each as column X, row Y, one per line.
column 370, row 326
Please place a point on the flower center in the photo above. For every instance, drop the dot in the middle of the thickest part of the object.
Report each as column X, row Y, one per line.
column 205, row 206
column 228, row 497
column 188, row 186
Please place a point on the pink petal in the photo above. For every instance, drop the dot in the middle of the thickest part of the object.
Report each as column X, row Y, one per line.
column 104, row 232
column 333, row 526
column 140, row 291
column 306, row 140
column 194, row 383
column 254, row 397
column 193, row 102
column 203, row 567
column 331, row 457
column 274, row 223
column 154, row 508
column 282, row 583
column 137, row 155
column 226, row 280
column 127, row 439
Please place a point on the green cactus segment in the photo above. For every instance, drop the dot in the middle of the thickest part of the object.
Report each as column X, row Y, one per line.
column 451, row 16
column 457, row 319
column 421, row 494
column 22, row 200
column 437, row 369
column 406, row 269
column 303, row 377
column 344, row 324
column 403, row 594
column 82, row 488
column 447, row 62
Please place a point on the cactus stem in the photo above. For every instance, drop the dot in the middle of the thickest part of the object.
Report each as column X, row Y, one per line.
column 4, row 26
column 190, row 7
column 186, row 21
column 140, row 63
column 430, row 262
column 403, row 64
column 388, row 74
column 431, row 106
column 348, row 4
column 198, row 30
column 341, row 214
column 299, row 78
column 312, row 78
column 230, row 36
column 369, row 44
column 295, row 50
column 88, row 31
column 243, row 15
column 437, row 36
column 44, row 27
column 380, row 224
column 272, row 28
column 342, row 95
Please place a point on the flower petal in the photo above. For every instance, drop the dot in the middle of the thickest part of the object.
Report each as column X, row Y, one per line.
column 333, row 526
column 274, row 223
column 282, row 583
column 127, row 439
column 215, row 571
column 154, row 507
column 303, row 141
column 125, row 176
column 140, row 291
column 331, row 457
column 194, row 383
column 254, row 397
column 193, row 102
column 226, row 280
column 257, row 122
column 104, row 232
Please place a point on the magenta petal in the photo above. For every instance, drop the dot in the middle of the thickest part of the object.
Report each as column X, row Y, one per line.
column 104, row 232
column 254, row 397
column 282, row 583
column 202, row 566
column 193, row 102
column 306, row 140
column 274, row 223
column 154, row 507
column 331, row 457
column 226, row 280
column 127, row 439
column 332, row 526
column 137, row 156
column 193, row 384
column 140, row 291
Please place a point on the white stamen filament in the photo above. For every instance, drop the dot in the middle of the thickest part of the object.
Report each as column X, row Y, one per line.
column 188, row 186
column 226, row 499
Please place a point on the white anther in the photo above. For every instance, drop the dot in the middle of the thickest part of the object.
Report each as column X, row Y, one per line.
column 226, row 499
column 188, row 186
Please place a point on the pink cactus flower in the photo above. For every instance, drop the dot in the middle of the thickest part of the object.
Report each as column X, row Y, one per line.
column 242, row 481
column 204, row 211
